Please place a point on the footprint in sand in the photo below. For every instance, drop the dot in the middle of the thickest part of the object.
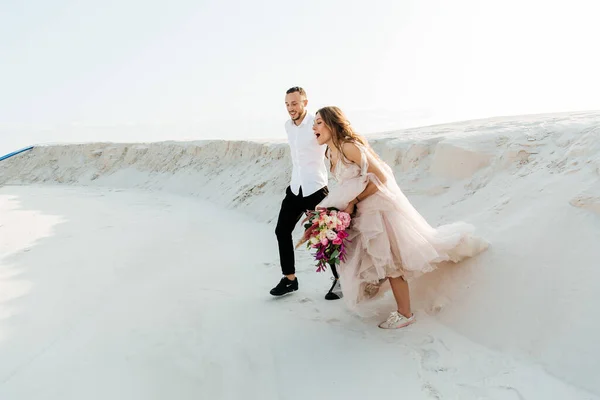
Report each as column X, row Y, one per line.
column 430, row 360
column 494, row 392
column 429, row 350
column 305, row 300
column 431, row 391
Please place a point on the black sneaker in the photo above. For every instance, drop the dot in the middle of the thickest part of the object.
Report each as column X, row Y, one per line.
column 285, row 286
column 335, row 293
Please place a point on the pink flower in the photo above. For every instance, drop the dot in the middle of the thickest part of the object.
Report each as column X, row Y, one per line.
column 337, row 241
column 342, row 235
column 344, row 219
column 324, row 242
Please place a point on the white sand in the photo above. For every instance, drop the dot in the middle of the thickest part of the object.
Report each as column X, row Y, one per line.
column 129, row 293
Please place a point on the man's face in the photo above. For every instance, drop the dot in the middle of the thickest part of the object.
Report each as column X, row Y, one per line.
column 295, row 104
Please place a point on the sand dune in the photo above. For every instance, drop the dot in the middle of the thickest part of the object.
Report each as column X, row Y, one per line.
column 519, row 321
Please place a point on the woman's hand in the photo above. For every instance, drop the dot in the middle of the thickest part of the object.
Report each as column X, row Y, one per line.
column 350, row 208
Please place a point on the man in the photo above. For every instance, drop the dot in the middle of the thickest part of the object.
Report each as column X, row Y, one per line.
column 308, row 187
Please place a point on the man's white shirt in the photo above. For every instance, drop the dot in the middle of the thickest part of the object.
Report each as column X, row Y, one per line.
column 308, row 157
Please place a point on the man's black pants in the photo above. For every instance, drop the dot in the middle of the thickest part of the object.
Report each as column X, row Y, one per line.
column 292, row 209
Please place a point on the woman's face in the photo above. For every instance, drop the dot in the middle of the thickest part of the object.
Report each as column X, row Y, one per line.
column 322, row 132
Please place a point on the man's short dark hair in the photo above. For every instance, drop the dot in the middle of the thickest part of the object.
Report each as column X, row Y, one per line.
column 296, row 89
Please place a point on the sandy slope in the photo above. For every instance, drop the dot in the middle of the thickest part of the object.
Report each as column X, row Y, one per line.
column 128, row 295
column 530, row 185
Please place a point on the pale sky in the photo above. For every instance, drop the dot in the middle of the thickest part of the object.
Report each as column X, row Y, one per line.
column 133, row 70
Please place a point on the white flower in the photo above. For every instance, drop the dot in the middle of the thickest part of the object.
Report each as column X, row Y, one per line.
column 332, row 222
column 331, row 235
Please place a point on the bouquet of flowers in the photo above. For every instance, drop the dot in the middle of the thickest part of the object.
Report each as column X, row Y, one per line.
column 325, row 231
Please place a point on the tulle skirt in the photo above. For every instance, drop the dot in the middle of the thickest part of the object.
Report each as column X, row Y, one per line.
column 387, row 241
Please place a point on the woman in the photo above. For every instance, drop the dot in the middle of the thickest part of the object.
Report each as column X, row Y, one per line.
column 390, row 242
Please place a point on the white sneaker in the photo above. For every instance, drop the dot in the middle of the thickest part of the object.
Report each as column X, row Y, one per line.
column 396, row 321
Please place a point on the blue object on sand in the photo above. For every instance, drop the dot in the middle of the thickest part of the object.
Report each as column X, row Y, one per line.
column 14, row 153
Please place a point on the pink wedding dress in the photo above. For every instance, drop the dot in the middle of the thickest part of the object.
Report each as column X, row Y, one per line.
column 388, row 236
